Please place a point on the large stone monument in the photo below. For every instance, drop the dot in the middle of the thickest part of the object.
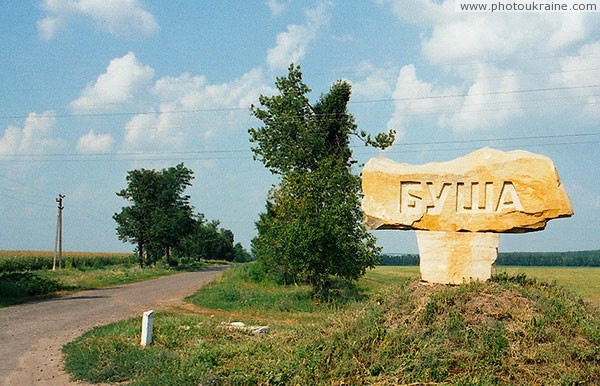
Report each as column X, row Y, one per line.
column 459, row 207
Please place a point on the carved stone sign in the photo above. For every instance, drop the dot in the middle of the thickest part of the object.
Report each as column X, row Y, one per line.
column 485, row 192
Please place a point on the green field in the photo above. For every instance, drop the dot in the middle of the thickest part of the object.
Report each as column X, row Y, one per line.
column 386, row 330
column 582, row 281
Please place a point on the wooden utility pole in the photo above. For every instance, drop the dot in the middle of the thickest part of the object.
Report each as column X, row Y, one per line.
column 58, row 238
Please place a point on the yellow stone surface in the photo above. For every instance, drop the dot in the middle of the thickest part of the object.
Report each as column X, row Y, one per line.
column 485, row 191
column 457, row 257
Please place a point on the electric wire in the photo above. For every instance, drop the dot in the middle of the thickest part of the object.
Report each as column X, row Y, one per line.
column 366, row 101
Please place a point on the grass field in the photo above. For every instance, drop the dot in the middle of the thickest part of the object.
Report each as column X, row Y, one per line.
column 582, row 281
column 26, row 275
column 386, row 330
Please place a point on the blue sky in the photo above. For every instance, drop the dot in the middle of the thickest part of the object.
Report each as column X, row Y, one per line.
column 94, row 88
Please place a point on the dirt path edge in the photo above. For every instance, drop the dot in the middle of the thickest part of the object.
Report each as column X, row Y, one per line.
column 32, row 335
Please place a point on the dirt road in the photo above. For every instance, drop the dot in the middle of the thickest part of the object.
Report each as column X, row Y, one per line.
column 32, row 335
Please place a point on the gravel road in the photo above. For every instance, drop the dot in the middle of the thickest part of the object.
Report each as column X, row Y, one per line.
column 32, row 334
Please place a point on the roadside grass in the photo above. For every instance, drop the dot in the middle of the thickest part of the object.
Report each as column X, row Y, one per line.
column 22, row 279
column 75, row 279
column 386, row 330
column 235, row 291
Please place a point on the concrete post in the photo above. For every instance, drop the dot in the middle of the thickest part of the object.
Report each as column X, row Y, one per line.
column 147, row 324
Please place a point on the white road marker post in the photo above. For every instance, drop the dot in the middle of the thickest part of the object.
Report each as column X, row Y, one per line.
column 147, row 324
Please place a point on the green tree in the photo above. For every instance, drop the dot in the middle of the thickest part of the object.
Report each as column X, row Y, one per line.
column 313, row 226
column 134, row 222
column 207, row 241
column 174, row 216
column 240, row 254
column 160, row 213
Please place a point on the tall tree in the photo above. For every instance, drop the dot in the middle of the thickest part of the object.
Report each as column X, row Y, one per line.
column 174, row 217
column 134, row 221
column 313, row 226
column 160, row 213
column 207, row 241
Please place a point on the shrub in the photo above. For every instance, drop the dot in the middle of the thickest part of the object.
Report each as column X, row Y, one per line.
column 17, row 285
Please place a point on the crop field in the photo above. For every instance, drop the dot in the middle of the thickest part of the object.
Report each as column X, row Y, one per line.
column 17, row 261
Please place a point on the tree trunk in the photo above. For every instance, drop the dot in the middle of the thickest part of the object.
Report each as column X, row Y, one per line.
column 168, row 255
column 141, row 253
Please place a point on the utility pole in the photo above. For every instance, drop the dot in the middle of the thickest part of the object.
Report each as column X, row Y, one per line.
column 58, row 238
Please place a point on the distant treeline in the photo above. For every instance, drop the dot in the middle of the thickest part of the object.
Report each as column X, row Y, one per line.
column 539, row 259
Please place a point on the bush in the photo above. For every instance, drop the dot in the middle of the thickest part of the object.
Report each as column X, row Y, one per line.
column 17, row 285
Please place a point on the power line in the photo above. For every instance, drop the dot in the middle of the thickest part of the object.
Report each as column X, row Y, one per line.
column 18, row 191
column 440, row 112
column 499, row 139
column 308, row 73
column 127, row 113
column 413, row 108
column 474, row 148
column 134, row 155
column 78, row 206
column 27, row 186
column 21, row 200
column 477, row 94
column 222, row 109
column 185, row 157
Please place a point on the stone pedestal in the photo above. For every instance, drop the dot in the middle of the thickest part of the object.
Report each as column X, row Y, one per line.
column 457, row 257
column 459, row 207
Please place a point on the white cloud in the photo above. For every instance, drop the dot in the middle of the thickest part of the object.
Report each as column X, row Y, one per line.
column 493, row 36
column 171, row 87
column 277, row 7
column 581, row 70
column 414, row 97
column 9, row 143
column 95, row 143
column 490, row 61
column 48, row 26
column 420, row 11
column 489, row 102
column 376, row 83
column 36, row 136
column 457, row 36
column 152, row 132
column 291, row 45
column 221, row 108
column 123, row 78
column 124, row 18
